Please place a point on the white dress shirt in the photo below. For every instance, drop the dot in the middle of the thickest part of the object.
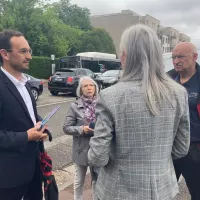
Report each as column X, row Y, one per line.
column 20, row 85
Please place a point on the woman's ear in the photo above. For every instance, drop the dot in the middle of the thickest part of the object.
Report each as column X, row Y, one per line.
column 123, row 58
column 95, row 91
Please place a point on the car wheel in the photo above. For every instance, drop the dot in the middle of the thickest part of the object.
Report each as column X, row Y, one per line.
column 35, row 93
column 54, row 93
column 74, row 93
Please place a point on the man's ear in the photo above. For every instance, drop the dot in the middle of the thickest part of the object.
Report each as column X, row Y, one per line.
column 4, row 54
column 195, row 56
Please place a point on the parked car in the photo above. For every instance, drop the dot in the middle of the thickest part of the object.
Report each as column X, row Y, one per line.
column 108, row 78
column 66, row 80
column 36, row 86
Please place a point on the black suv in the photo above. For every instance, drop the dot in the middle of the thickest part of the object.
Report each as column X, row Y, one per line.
column 66, row 80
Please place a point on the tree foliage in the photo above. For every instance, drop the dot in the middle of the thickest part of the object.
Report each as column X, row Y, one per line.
column 73, row 15
column 60, row 28
column 97, row 40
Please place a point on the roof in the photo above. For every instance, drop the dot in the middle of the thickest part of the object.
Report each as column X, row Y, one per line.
column 67, row 69
column 70, row 69
column 97, row 55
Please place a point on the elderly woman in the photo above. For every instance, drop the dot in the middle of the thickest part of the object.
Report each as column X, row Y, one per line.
column 78, row 123
column 142, row 125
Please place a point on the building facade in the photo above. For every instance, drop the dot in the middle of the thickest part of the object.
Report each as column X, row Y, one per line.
column 165, row 44
column 173, row 36
column 116, row 23
column 151, row 22
column 184, row 38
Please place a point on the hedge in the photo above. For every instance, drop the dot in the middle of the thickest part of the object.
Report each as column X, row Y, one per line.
column 40, row 67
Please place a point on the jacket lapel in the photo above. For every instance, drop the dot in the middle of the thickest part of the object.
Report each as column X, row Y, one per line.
column 32, row 99
column 15, row 92
column 79, row 102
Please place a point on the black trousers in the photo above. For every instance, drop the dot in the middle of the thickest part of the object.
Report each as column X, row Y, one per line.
column 13, row 193
column 189, row 167
column 30, row 191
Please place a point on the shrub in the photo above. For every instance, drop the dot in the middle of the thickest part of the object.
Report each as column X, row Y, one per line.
column 40, row 67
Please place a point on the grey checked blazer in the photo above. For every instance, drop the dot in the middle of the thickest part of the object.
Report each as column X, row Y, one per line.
column 134, row 148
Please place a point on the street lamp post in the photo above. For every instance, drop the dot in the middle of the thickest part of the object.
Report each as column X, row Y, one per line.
column 53, row 65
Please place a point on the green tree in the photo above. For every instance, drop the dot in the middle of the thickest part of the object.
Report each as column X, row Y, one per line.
column 15, row 14
column 46, row 32
column 60, row 28
column 73, row 15
column 97, row 40
column 6, row 20
column 49, row 35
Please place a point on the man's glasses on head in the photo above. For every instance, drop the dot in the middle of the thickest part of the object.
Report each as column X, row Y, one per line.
column 22, row 51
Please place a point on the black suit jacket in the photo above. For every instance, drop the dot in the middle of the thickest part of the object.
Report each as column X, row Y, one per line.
column 17, row 155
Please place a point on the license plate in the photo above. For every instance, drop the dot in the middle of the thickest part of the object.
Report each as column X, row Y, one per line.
column 58, row 79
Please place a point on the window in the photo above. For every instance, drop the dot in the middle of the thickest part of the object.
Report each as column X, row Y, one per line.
column 81, row 73
column 65, row 73
column 90, row 74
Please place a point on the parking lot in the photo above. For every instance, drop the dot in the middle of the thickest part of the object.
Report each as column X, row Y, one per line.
column 46, row 102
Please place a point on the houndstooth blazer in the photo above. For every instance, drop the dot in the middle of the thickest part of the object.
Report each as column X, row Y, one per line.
column 134, row 148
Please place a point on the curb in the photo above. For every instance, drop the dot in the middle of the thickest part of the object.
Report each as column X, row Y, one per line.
column 60, row 151
column 65, row 185
column 69, row 172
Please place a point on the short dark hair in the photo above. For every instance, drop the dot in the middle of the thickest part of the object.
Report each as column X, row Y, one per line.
column 5, row 37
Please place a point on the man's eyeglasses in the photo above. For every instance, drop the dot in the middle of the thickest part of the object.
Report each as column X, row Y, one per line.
column 22, row 51
column 178, row 57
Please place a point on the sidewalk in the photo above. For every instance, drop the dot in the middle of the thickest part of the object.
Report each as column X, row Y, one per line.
column 65, row 179
column 68, row 193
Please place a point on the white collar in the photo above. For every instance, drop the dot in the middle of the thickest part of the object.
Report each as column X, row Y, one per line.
column 16, row 82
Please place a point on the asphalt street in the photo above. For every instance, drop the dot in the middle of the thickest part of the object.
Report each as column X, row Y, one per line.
column 46, row 102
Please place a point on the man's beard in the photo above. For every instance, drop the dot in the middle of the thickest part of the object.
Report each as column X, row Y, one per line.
column 18, row 68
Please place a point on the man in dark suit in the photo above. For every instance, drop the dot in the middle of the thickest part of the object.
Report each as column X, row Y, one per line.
column 19, row 135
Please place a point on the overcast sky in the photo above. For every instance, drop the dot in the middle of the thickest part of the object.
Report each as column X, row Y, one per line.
column 184, row 15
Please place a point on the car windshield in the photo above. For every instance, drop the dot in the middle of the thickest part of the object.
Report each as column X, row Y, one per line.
column 67, row 73
column 111, row 73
